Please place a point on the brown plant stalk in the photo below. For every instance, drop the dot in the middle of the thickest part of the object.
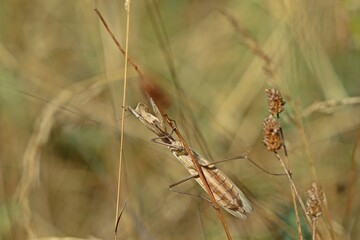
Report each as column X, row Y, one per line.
column 201, row 175
column 274, row 140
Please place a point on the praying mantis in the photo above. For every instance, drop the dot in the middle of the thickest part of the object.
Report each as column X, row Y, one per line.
column 225, row 191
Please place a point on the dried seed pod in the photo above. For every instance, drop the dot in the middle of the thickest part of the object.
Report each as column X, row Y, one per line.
column 315, row 199
column 275, row 101
column 272, row 134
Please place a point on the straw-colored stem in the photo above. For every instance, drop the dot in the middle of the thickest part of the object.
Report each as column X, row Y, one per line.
column 296, row 213
column 122, row 117
column 292, row 188
column 291, row 181
column 122, row 50
column 294, row 193
column 314, row 229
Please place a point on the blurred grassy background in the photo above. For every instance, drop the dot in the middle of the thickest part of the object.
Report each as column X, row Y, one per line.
column 61, row 86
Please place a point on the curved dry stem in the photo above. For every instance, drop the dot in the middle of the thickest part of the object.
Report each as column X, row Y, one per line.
column 328, row 107
column 31, row 159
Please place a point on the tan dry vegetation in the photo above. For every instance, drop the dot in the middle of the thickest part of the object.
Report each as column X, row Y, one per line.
column 61, row 89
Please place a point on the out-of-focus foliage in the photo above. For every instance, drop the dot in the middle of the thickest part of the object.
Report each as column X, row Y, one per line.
column 61, row 81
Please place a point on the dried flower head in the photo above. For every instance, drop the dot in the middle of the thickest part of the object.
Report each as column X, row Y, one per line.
column 272, row 134
column 275, row 101
column 315, row 199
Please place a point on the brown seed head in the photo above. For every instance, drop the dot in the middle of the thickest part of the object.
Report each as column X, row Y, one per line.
column 275, row 101
column 271, row 133
column 315, row 199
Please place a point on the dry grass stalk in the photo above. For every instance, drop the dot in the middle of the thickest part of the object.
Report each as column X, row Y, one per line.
column 80, row 93
column 147, row 86
column 31, row 159
column 122, row 127
column 328, row 107
column 150, row 88
column 253, row 45
column 275, row 100
column 274, row 140
column 204, row 181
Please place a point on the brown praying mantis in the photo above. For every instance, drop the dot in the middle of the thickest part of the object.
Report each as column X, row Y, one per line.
column 225, row 191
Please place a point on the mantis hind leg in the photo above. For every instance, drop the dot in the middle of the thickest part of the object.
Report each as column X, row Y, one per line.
column 170, row 188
